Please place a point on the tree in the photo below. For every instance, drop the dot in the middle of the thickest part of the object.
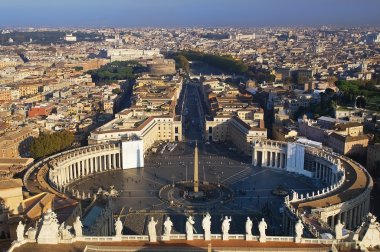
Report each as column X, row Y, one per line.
column 182, row 62
column 47, row 144
column 116, row 91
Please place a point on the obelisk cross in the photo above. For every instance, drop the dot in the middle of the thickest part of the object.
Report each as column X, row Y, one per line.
column 196, row 182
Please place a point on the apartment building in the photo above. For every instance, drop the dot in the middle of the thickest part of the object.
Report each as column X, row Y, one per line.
column 15, row 144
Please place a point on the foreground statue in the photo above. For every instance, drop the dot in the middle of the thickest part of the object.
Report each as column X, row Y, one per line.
column 152, row 230
column 299, row 231
column 262, row 227
column 64, row 232
column 190, row 228
column 118, row 227
column 77, row 225
column 206, row 225
column 339, row 230
column 48, row 233
column 168, row 224
column 20, row 231
column 248, row 229
column 226, row 227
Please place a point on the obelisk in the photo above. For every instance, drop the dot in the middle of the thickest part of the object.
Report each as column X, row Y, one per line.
column 196, row 182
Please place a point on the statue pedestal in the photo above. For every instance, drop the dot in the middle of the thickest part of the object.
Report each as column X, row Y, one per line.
column 152, row 239
column 32, row 233
column 263, row 239
column 248, row 237
column 166, row 237
column 297, row 239
column 189, row 237
column 207, row 237
column 225, row 237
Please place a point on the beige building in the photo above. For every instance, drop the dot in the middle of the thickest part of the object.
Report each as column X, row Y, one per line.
column 5, row 94
column 226, row 128
column 348, row 145
column 343, row 136
column 14, row 144
column 26, row 89
column 149, row 129
column 11, row 195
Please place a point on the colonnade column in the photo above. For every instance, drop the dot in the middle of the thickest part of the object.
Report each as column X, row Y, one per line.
column 84, row 163
column 276, row 159
column 109, row 161
column 96, row 164
column 70, row 172
column 264, row 158
column 114, row 161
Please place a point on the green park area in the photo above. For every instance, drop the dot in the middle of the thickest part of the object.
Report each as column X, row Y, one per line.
column 117, row 70
column 350, row 90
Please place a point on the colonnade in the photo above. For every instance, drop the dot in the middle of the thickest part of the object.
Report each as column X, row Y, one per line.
column 325, row 173
column 326, row 167
column 269, row 154
column 80, row 163
column 351, row 217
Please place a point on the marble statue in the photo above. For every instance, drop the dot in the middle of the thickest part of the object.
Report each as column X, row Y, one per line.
column 371, row 230
column 295, row 196
column 262, row 227
column 190, row 228
column 48, row 232
column 20, row 231
column 118, row 227
column 31, row 233
column 152, row 230
column 206, row 225
column 64, row 232
column 78, row 227
column 168, row 224
column 226, row 227
column 339, row 230
column 299, row 231
column 248, row 229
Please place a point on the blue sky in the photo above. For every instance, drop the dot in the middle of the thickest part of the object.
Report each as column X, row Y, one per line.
column 179, row 13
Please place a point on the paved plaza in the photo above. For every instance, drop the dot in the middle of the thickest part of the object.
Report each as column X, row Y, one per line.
column 218, row 163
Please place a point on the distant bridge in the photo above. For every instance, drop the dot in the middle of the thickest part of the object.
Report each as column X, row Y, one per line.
column 212, row 76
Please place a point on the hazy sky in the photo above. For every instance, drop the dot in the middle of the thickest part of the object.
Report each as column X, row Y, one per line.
column 175, row 13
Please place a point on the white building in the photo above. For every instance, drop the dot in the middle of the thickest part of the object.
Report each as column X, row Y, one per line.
column 70, row 38
column 133, row 54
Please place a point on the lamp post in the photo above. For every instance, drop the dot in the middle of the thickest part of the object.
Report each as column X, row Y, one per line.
column 172, row 180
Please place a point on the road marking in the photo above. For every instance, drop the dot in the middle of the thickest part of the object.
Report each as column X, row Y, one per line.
column 235, row 174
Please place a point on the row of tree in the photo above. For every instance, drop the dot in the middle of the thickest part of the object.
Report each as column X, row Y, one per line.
column 47, row 144
column 225, row 63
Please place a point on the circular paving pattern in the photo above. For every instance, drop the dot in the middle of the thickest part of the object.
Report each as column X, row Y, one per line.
column 182, row 195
